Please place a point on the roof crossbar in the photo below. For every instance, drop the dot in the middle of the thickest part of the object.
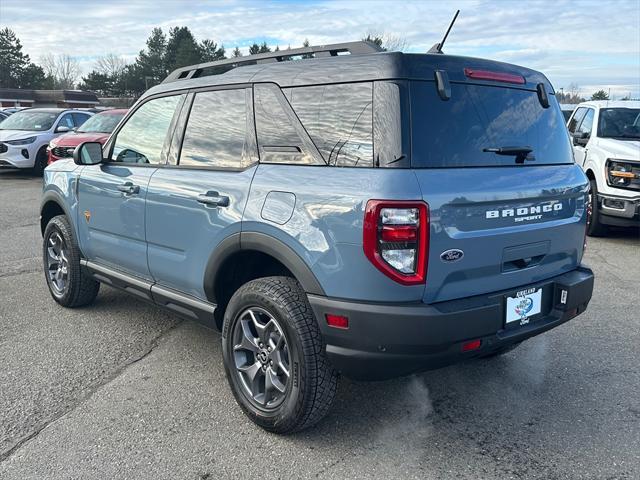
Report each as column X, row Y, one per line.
column 353, row 48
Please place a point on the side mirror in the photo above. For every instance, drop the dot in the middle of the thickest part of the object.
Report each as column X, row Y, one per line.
column 88, row 153
column 63, row 129
column 580, row 138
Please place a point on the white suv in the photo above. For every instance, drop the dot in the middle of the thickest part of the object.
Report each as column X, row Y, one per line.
column 606, row 142
column 24, row 136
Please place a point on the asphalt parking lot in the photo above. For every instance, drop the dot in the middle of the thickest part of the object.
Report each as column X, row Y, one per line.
column 124, row 390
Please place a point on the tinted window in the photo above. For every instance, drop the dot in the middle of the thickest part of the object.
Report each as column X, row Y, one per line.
column 619, row 123
column 456, row 132
column 587, row 122
column 216, row 131
column 339, row 120
column 80, row 118
column 577, row 118
column 281, row 136
column 142, row 138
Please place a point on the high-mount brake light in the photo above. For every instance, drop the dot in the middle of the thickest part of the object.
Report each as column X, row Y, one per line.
column 396, row 239
column 494, row 76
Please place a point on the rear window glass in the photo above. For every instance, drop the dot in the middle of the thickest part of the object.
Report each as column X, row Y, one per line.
column 454, row 133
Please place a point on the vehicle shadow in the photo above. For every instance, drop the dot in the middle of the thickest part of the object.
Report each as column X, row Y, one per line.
column 491, row 409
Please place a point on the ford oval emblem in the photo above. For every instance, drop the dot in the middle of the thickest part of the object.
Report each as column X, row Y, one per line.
column 451, row 255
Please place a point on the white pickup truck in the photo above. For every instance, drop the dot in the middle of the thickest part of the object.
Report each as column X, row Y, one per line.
column 606, row 143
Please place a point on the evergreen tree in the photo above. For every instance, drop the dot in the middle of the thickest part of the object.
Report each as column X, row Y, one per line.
column 600, row 95
column 148, row 69
column 12, row 61
column 98, row 82
column 236, row 52
column 253, row 49
column 264, row 48
column 182, row 49
column 210, row 51
column 33, row 76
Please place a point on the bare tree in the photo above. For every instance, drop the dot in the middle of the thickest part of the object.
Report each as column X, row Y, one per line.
column 110, row 65
column 573, row 89
column 63, row 68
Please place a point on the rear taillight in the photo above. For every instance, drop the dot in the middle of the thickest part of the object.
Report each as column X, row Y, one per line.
column 396, row 239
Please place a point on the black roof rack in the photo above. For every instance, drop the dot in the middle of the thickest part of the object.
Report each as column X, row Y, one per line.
column 194, row 71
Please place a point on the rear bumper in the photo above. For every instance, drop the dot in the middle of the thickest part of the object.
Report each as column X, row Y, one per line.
column 390, row 340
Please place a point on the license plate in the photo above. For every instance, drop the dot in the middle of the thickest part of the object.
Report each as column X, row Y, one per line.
column 524, row 305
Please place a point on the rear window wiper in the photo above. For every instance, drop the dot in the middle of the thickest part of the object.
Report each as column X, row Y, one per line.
column 521, row 153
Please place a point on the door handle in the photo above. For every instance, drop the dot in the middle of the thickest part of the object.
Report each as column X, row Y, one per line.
column 129, row 188
column 214, row 199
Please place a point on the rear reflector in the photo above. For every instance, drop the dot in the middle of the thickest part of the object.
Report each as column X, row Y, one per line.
column 495, row 76
column 337, row 321
column 472, row 345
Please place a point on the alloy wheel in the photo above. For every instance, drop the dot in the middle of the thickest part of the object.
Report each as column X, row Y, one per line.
column 57, row 263
column 261, row 358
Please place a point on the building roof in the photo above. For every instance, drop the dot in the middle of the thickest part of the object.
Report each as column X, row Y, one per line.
column 16, row 94
column 49, row 96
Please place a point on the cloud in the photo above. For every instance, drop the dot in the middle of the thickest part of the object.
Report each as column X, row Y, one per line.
column 591, row 43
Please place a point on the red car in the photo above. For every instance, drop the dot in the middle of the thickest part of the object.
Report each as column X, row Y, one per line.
column 96, row 129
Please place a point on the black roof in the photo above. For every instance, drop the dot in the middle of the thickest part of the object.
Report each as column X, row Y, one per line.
column 356, row 68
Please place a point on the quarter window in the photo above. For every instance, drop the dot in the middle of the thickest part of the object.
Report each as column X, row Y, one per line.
column 339, row 120
column 216, row 133
column 281, row 136
column 142, row 139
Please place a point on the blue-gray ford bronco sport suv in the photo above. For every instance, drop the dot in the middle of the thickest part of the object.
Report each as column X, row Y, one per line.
column 331, row 210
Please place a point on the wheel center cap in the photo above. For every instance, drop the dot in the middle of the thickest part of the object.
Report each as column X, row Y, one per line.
column 263, row 356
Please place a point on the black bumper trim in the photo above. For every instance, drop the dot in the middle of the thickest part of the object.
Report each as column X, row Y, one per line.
column 390, row 340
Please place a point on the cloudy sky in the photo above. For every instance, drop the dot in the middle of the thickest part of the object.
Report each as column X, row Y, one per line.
column 595, row 44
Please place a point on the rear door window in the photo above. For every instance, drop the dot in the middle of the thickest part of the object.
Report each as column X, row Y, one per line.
column 216, row 133
column 456, row 132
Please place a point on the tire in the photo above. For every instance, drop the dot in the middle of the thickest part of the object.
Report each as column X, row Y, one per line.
column 40, row 162
column 501, row 351
column 595, row 228
column 296, row 401
column 68, row 284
